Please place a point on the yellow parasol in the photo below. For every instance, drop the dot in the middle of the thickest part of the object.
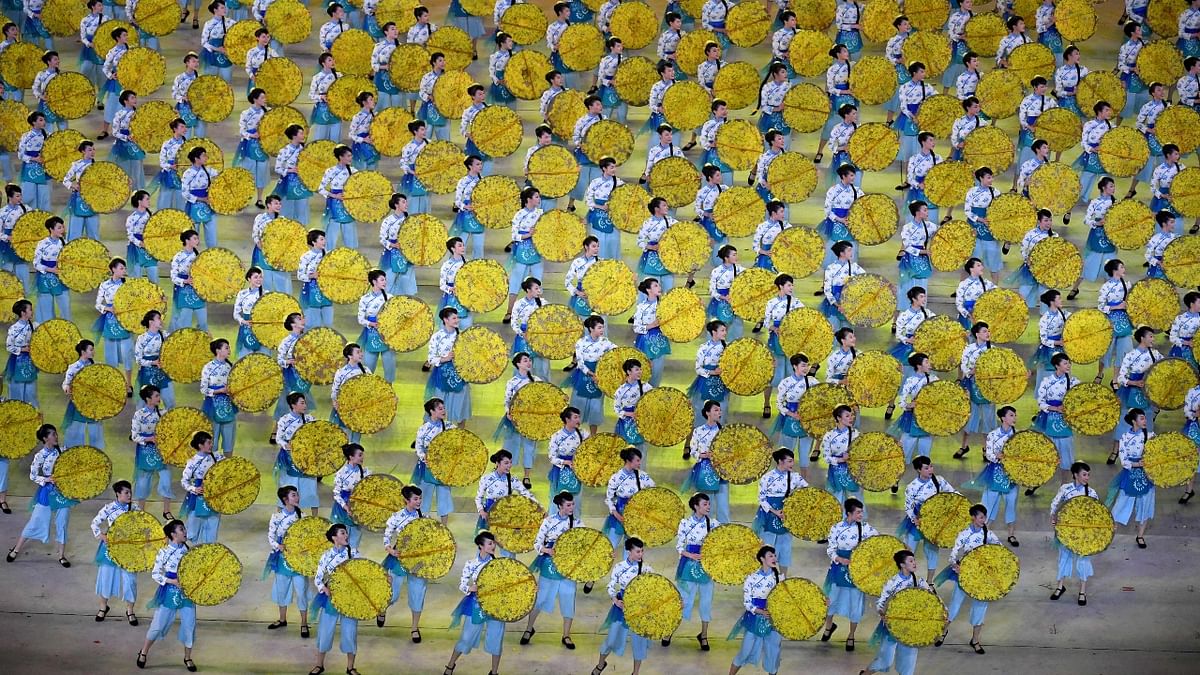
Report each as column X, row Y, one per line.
column 1076, row 19
column 82, row 472
column 874, row 379
column 1084, row 526
column 507, row 589
column 792, row 177
column 1129, row 224
column 610, row 287
column 683, row 247
column 930, row 48
column 652, row 515
column 746, row 366
column 942, row 408
column 1170, row 459
column 62, row 17
column 534, row 411
column 937, row 114
column 255, row 382
column 741, row 453
column 439, row 166
column 217, row 275
column 739, row 143
column 916, row 617
column 873, row 80
column 1168, row 382
column 70, row 95
column 184, row 354
column 871, row 563
column 1031, row 60
column 1154, row 303
column 405, row 323
column 408, row 65
column 59, row 151
column 231, row 485
column 175, row 430
column 317, row 448
column 481, row 355
column 553, row 170
column 20, row 63
column 610, row 375
column 943, row 516
column 305, row 543
column 209, row 574
column 150, row 126
column 581, row 47
column 319, row 354
column 366, row 196
column 19, row 422
column 809, row 513
column 231, row 191
column 1029, row 458
column 675, row 179
column 13, row 115
column 1091, row 409
column 342, row 275
column 133, row 299
column 607, row 138
column 360, row 589
column 990, row 147
column 1160, row 61
column 750, row 291
column 737, row 84
column 133, row 540
column 98, row 392
column 553, row 329
column 728, row 554
column 685, row 105
column 342, row 95
column 797, row 608
column 598, row 458
column 496, row 130
column 797, row 251
column 481, row 285
column 268, row 315
column 1181, row 260
column 1061, row 128
column 515, row 520
column 104, row 186
column 280, row 78
column 272, row 126
column 143, row 71
column 1123, row 151
column 1004, row 311
column 876, row 20
column 983, row 33
column 1011, row 216
column 389, row 131
column 83, row 265
column 450, row 93
column 366, row 404
column 868, row 300
column 289, row 21
column 876, row 461
column 951, row 246
column 1001, row 375
column 27, row 232
column 806, row 331
column 422, row 239
column 1000, row 93
column 525, row 74
column 426, row 548
column 809, row 52
column 634, row 78
column 681, row 316
column 817, row 406
column 988, row 572
column 805, row 107
column 627, row 207
column 52, row 345
column 496, row 199
column 873, row 219
column 873, row 146
column 558, row 235
column 658, row 417
column 457, row 457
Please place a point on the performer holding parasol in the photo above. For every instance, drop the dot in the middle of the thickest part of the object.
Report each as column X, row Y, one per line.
column 288, row 582
column 971, row 538
column 195, row 126
column 167, row 181
column 126, row 153
column 113, row 581
column 82, row 218
column 20, row 373
column 626, row 570
column 48, row 503
column 625, row 401
column 835, row 449
column 318, row 309
column 788, row 394
column 187, row 302
column 35, row 182
column 623, row 484
column 366, row 157
column 761, row 643
column 112, row 61
column 351, row 369
column 693, row 580
column 250, row 154
column 51, row 293
column 494, row 486
column 586, row 394
column 435, row 423
column 924, row 486
column 775, row 486
column 994, row 478
column 9, row 214
column 369, row 307
column 197, row 180
column 396, row 523
column 205, row 521
column 80, row 429
column 218, row 406
column 344, row 481
column 324, row 124
column 247, row 298
column 148, row 460
column 142, row 262
column 401, row 274
column 845, row 599
column 286, row 471
column 337, row 218
column 212, row 42
column 147, row 352
column 290, row 187
column 444, row 381
column 328, row 617
column 169, row 599
column 891, row 651
column 428, row 112
column 475, row 623
column 1131, row 492
column 552, row 584
column 1070, row 562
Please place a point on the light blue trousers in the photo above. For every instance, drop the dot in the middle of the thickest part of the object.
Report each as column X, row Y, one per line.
column 349, row 637
column 164, row 617
column 285, row 589
column 38, row 527
column 689, row 590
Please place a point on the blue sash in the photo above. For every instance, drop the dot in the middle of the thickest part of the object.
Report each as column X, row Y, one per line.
column 321, row 115
column 312, row 297
column 20, row 368
column 199, row 212
column 220, row 408
column 544, row 565
column 995, row 478
column 704, row 477
column 1098, row 241
column 169, row 596
column 564, row 479
column 292, row 380
column 600, row 220
column 50, row 284
column 196, row 504
column 251, row 149
column 292, row 188
column 383, row 79
column 49, row 495
column 584, row 386
column 1133, row 482
column 78, row 207
column 153, row 374
column 186, row 297
column 371, row 340
column 1052, row 423
column 33, row 172
column 691, row 570
column 841, row 573
column 429, row 112
column 148, row 458
column 766, row 521
column 651, row 264
column 335, row 210
column 1122, row 326
column 216, row 59
column 653, row 344
column 525, row 253
column 394, row 261
column 445, row 377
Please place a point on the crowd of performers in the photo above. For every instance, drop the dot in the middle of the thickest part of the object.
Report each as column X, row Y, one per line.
column 1131, row 494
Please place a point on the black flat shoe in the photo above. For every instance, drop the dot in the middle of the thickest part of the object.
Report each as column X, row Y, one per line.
column 1058, row 592
column 587, row 588
column 665, row 642
column 757, row 328
column 849, row 644
column 814, row 455
column 1187, row 497
column 569, row 367
column 190, row 665
column 380, row 620
column 703, row 640
column 1131, row 194
column 141, row 660
column 507, row 319
column 131, row 618
column 304, row 633
column 1066, row 221
column 766, row 414
column 186, row 14
column 1029, row 491
column 272, row 439
column 102, row 614
column 691, row 283
column 525, row 481
column 168, row 516
column 829, row 633
column 415, row 636
column 103, row 135
column 508, row 249
column 317, row 670
column 1082, row 600
column 1141, row 542
column 895, row 488
column 819, row 292
column 947, row 219
column 1004, row 249
column 903, row 186
column 64, row 562
column 887, row 414
column 277, row 624
column 527, row 636
column 260, row 204
column 1112, row 458
column 818, row 157
column 962, row 452
column 5, row 509
column 1195, row 229
column 1012, row 541
column 689, row 146
column 568, row 643
column 940, row 641
column 1073, row 294
column 977, row 647
column 195, row 24
column 629, row 320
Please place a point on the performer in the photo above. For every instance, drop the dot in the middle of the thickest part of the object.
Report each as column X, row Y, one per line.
column 250, row 154
column 444, row 382
column 522, row 309
column 788, row 394
column 837, row 364
column 428, row 111
column 913, row 439
column 344, row 481
column 351, row 369
column 1067, row 77
column 978, row 200
column 51, row 293
column 112, row 581
column 34, row 180
column 328, row 616
column 907, row 323
column 891, row 651
column 498, row 92
column 689, row 573
column 773, row 489
column 466, row 225
column 9, row 214
column 318, row 309
column 263, row 49
column 125, row 151
column 562, row 448
column 111, row 87
column 956, row 26
column 205, row 522
column 435, row 423
column 586, row 394
column 218, row 405
column 600, row 224
column 1068, row 562
column 288, row 582
column 147, row 350
column 625, row 401
column 169, row 599
column 468, row 612
column 845, row 598
column 1088, row 163
column 336, row 218
column 553, row 585
column 835, row 448
column 290, row 188
column 416, row 585
column 974, row 536
column 719, row 284
column 247, row 298
column 370, row 305
column 1131, row 492
column 837, row 87
column 837, row 274
column 194, row 126
column 148, row 461
column 196, row 183
column 622, row 485
column 573, row 280
column 623, row 572
column 325, row 126
column 650, row 339
column 708, row 132
column 994, row 479
column 1158, row 243
column 493, row 487
column 187, row 302
column 524, row 446
column 48, row 503
column 766, row 233
column 81, row 218
column 80, row 429
column 924, row 486
column 707, row 385
column 761, row 643
column 212, row 40
column 135, row 250
column 982, row 410
column 526, row 261
column 1132, row 380
column 19, row 372
column 1112, row 299
column 703, row 476
column 777, row 309
column 387, row 40
column 448, row 276
column 401, row 274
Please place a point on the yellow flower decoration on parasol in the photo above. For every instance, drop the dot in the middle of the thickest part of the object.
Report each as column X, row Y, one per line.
column 1129, row 224
column 175, row 430
column 211, row 97
column 507, row 590
column 750, row 291
column 1185, row 192
column 218, row 275
column 231, row 485
column 635, row 23
column 1123, row 151
column 876, row 461
column 59, row 150
column 805, row 108
column 104, row 41
column 389, row 131
column 741, row 453
column 1154, row 303
column 104, row 186
column 11, row 288
column 610, row 375
column 280, row 78
column 352, row 51
column 565, row 109
column 515, row 520
column 19, row 422
column 874, row 379
column 84, row 264
column 737, row 84
column 746, row 366
column 305, row 543
column 873, row 80
column 871, row 563
column 685, row 105
column 1100, row 85
column 937, row 114
column 942, row 408
column 598, row 458
column 1091, row 409
column 374, row 499
column 553, row 329
column 255, row 382
column 98, row 392
column 525, row 23
column 534, row 410
column 747, row 24
column 82, row 472
column 151, row 124
column 797, row 607
column 1168, row 382
column 809, row 52
column 184, row 354
column 360, row 589
column 1004, row 311
column 739, row 143
column 675, row 179
column 62, row 17
column 1076, row 19
column 367, row 404
column 683, row 247
column 806, row 331
column 319, row 354
column 736, row 211
column 873, row 146
column 1181, row 260
column 239, row 40
column 607, row 138
column 317, row 448
column 1170, row 459
column 681, row 316
column 652, row 515
column 1029, row 458
column 408, row 65
column 1032, row 60
column 400, row 12
column 266, row 320
column 289, row 21
column 1054, row 186
column 423, row 239
column 450, row 93
column 342, row 275
column 427, row 549
column 133, row 299
column 990, row 147
column 728, row 553
column 634, row 78
column 792, row 177
column 558, row 234
column 809, row 513
column 27, row 232
column 439, row 167
column 926, row 15
column 496, row 199
column 1181, row 127
column 1011, row 216
column 1001, row 375
column 457, row 457
column 52, row 345
column 231, row 191
column 610, row 287
column 659, row 419
column 943, row 516
column 868, row 300
column 947, row 183
column 366, row 196
column 689, row 53
column 405, row 323
column 1061, row 128
column 496, row 130
column 798, row 251
column 1084, row 526
column 70, row 95
column 873, row 219
column 988, row 572
column 133, row 541
column 210, row 574
column 20, row 64
column 916, row 617
column 12, row 122
column 272, row 126
column 143, row 71
column 481, row 285
column 583, row 554
column 1000, row 93
column 951, row 246
column 525, row 74
column 817, row 406
column 876, row 20
column 581, row 47
column 343, row 92
column 481, row 355
column 930, row 48
column 983, row 33
column 814, row 15
column 1160, row 61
